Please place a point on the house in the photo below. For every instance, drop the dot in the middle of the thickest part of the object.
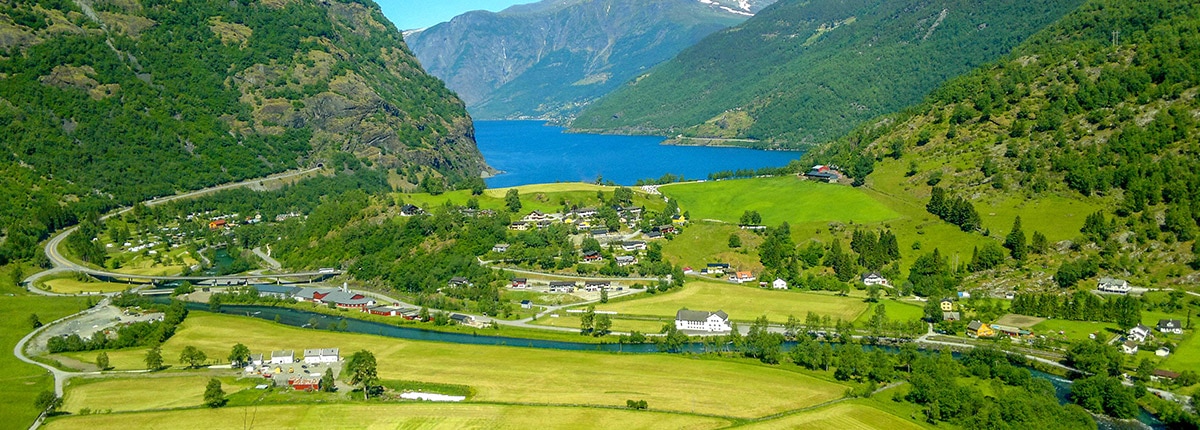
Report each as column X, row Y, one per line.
column 585, row 212
column 410, row 210
column 318, row 356
column 654, row 235
column 1129, row 347
column 594, row 286
column 562, row 287
column 387, row 311
column 752, row 227
column 823, row 173
column 462, row 319
column 276, row 291
column 599, row 232
column 282, row 357
column 591, row 256
column 946, row 305
column 779, row 284
column 689, row 271
column 256, row 360
column 717, row 268
column 1160, row 374
column 217, row 224
column 526, row 304
column 951, row 316
column 410, row 313
column 520, row 283
column 1009, row 330
column 636, row 245
column 712, row 322
column 679, row 220
column 626, row 260
column 874, row 278
column 1170, row 326
column 1162, row 352
column 500, row 247
column 459, row 281
column 535, row 216
column 979, row 329
column 666, row 229
column 305, row 383
column 1113, row 285
column 1139, row 333
column 742, row 277
column 519, row 226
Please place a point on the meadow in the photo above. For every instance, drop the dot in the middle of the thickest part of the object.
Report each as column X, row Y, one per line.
column 524, row 375
column 143, row 392
column 896, row 311
column 397, row 415
column 23, row 381
column 73, row 285
column 546, row 198
column 704, row 242
column 741, row 302
column 620, row 325
column 842, row 416
column 777, row 199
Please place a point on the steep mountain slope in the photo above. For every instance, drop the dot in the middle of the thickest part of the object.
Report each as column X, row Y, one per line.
column 551, row 58
column 808, row 71
column 1099, row 110
column 108, row 102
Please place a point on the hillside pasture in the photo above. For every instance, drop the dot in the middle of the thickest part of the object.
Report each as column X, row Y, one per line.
column 741, row 302
column 545, row 198
column 705, row 242
column 842, row 416
column 778, row 199
column 22, row 382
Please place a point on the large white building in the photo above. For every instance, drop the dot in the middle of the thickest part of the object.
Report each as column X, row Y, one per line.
column 1113, row 285
column 714, row 322
column 282, row 357
column 316, row 356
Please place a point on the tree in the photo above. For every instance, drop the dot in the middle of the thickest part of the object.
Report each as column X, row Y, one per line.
column 362, row 371
column 587, row 321
column 154, row 359
column 328, row 385
column 1038, row 244
column 193, row 356
column 1145, row 369
column 102, row 360
column 1096, row 228
column 47, row 401
column 735, row 241
column 604, row 295
column 1015, row 242
column 873, row 292
column 214, row 396
column 239, row 356
column 512, row 200
column 603, row 325
column 34, row 321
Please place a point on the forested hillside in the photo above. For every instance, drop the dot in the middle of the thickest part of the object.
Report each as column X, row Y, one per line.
column 809, row 71
column 1097, row 110
column 109, row 102
column 551, row 58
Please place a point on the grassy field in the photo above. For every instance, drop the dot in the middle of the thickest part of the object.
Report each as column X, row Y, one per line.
column 619, row 324
column 842, row 416
column 390, row 416
column 708, row 242
column 778, row 199
column 22, row 382
column 742, row 303
column 71, row 285
column 540, row 197
column 137, row 393
column 525, row 375
column 896, row 311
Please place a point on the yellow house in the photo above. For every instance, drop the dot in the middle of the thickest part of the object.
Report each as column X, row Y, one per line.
column 978, row 329
column 947, row 305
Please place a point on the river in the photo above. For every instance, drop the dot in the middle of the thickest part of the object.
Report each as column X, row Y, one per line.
column 530, row 152
column 298, row 318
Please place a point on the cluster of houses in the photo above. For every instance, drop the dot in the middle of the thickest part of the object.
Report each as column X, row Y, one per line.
column 343, row 298
column 582, row 219
column 277, row 361
column 571, row 286
column 702, row 321
column 1141, row 333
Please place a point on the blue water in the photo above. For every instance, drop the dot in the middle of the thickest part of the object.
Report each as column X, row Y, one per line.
column 530, row 152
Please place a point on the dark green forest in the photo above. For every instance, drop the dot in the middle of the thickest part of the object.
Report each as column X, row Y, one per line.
column 807, row 72
column 158, row 97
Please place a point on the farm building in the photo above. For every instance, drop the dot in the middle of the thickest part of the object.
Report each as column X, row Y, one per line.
column 979, row 329
column 520, row 283
column 316, row 356
column 282, row 357
column 305, row 383
column 713, row 322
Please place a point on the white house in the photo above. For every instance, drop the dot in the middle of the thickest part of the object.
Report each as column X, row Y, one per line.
column 1113, row 285
column 779, row 284
column 1170, row 326
column 282, row 357
column 626, row 260
column 742, row 277
column 874, row 278
column 256, row 360
column 317, row 356
column 1139, row 333
column 635, row 245
column 1129, row 347
column 713, row 322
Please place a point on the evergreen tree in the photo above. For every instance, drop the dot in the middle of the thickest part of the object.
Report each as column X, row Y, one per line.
column 1038, row 243
column 1015, row 242
column 512, row 200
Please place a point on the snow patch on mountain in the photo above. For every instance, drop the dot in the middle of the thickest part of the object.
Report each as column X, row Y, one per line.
column 739, row 7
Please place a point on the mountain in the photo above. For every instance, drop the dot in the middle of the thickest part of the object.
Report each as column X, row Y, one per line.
column 804, row 71
column 1089, row 130
column 105, row 103
column 551, row 58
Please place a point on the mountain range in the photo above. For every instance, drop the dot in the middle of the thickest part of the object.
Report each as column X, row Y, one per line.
column 552, row 58
column 803, row 72
column 107, row 103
